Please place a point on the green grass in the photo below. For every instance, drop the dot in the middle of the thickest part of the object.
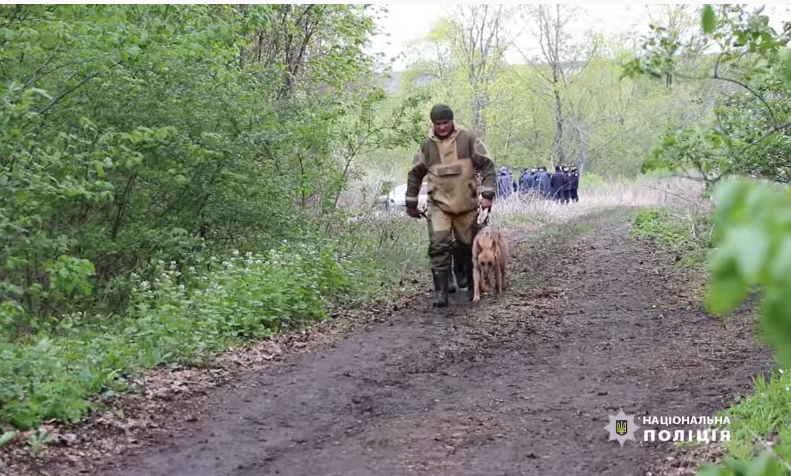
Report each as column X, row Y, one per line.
column 520, row 221
column 673, row 231
column 761, row 417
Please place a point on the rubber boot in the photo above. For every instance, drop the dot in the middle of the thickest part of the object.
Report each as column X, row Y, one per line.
column 462, row 267
column 460, row 270
column 468, row 273
column 452, row 282
column 471, row 287
column 441, row 283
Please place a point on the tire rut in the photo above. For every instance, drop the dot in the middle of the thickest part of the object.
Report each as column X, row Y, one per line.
column 522, row 384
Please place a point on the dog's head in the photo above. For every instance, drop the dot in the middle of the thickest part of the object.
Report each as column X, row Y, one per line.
column 486, row 255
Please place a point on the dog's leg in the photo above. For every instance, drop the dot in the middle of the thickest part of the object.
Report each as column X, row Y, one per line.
column 503, row 258
column 476, row 273
column 476, row 282
column 504, row 273
column 499, row 281
column 496, row 275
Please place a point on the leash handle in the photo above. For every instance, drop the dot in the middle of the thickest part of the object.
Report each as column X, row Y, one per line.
column 422, row 215
column 485, row 221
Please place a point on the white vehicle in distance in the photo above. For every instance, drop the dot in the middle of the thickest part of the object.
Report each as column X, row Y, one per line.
column 397, row 197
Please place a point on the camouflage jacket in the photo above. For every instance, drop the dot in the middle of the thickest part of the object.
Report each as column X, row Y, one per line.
column 451, row 165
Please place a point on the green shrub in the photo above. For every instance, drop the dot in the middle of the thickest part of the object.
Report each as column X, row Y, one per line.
column 688, row 235
column 181, row 316
column 591, row 181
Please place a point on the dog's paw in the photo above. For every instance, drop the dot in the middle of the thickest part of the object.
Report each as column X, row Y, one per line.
column 476, row 298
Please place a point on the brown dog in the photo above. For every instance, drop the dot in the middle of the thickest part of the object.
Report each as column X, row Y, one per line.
column 489, row 257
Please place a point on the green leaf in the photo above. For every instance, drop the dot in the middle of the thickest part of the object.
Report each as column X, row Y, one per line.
column 726, row 289
column 788, row 70
column 764, row 465
column 7, row 437
column 723, row 295
column 708, row 469
column 707, row 19
column 42, row 93
column 736, row 465
column 750, row 248
column 133, row 50
column 781, row 261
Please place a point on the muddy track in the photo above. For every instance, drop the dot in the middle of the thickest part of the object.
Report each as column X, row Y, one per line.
column 521, row 384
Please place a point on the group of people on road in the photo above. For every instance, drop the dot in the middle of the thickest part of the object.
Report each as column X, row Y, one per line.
column 561, row 186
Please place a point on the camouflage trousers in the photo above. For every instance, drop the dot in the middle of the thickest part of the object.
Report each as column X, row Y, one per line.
column 450, row 242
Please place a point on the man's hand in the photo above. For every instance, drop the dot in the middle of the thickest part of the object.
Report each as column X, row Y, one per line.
column 486, row 203
column 413, row 212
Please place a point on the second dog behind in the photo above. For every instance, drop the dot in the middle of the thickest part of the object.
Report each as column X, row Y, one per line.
column 489, row 257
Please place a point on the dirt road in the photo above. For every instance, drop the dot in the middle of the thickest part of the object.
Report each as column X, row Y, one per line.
column 519, row 385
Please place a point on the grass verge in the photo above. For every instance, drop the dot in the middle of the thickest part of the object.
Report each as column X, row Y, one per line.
column 763, row 419
column 687, row 234
column 757, row 421
column 179, row 317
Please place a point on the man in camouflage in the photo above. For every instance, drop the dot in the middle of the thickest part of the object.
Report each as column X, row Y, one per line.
column 451, row 156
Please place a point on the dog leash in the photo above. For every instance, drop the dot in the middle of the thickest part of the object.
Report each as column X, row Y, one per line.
column 482, row 224
column 485, row 222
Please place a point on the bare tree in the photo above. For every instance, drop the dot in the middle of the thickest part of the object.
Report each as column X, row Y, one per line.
column 431, row 61
column 560, row 59
column 479, row 40
column 469, row 43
